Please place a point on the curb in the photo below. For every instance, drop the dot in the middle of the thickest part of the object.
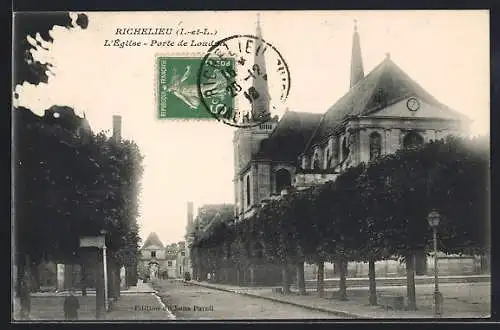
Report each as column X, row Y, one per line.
column 171, row 316
column 320, row 309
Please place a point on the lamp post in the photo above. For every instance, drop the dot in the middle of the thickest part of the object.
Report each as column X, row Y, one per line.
column 105, row 265
column 433, row 219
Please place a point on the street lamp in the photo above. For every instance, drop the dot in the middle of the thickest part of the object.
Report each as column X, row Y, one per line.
column 433, row 219
column 104, row 260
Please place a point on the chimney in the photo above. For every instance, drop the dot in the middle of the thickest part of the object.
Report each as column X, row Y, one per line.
column 190, row 213
column 117, row 128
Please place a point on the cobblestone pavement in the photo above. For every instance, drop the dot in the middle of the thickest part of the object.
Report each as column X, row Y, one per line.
column 195, row 302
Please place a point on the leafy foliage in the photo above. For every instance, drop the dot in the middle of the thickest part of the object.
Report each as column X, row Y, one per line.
column 26, row 27
column 72, row 183
column 376, row 210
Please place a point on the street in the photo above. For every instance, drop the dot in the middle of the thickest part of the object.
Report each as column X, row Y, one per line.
column 191, row 302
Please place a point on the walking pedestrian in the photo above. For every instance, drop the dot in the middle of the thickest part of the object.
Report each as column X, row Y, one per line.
column 71, row 306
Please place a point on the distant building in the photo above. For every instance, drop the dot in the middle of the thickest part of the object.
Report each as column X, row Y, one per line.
column 153, row 259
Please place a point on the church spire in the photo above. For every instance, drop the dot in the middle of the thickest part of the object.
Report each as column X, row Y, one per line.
column 260, row 106
column 357, row 72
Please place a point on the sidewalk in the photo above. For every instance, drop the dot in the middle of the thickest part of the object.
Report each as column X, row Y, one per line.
column 357, row 306
column 136, row 303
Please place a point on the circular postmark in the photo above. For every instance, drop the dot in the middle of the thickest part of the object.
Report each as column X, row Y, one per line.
column 243, row 81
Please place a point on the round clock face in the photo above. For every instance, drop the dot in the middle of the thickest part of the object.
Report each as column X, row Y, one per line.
column 413, row 104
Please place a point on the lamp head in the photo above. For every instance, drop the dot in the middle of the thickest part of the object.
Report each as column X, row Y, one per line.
column 433, row 218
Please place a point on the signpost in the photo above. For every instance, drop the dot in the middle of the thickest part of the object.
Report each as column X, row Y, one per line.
column 100, row 243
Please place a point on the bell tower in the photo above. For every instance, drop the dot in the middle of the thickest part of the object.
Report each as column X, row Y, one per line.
column 247, row 140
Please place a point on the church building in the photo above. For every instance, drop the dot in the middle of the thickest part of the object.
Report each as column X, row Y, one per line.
column 383, row 111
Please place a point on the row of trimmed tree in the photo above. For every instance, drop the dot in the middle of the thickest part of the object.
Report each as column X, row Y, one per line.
column 370, row 212
column 70, row 183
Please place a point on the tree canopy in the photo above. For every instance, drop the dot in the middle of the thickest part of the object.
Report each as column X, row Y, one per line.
column 26, row 28
column 376, row 210
column 71, row 183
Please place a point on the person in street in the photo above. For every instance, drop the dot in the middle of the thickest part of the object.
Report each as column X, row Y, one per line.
column 25, row 298
column 71, row 306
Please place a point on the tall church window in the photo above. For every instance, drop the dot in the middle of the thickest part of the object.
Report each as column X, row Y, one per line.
column 248, row 190
column 412, row 140
column 336, row 148
column 283, row 180
column 375, row 145
column 327, row 158
column 316, row 164
column 345, row 148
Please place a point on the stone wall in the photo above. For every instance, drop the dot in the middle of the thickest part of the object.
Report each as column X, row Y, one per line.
column 447, row 265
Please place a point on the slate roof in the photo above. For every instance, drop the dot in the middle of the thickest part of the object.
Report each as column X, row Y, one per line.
column 290, row 136
column 384, row 85
column 153, row 240
column 211, row 214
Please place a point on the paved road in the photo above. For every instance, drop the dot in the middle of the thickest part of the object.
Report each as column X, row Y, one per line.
column 195, row 302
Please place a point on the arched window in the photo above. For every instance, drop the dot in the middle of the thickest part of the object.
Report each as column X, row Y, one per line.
column 345, row 148
column 305, row 162
column 336, row 148
column 283, row 180
column 327, row 158
column 248, row 190
column 316, row 164
column 412, row 140
column 375, row 145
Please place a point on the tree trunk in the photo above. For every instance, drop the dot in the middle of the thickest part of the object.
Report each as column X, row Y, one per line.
column 320, row 282
column 117, row 280
column 20, row 277
column 420, row 263
column 286, row 279
column 238, row 277
column 35, row 277
column 301, row 283
column 99, row 283
column 114, row 288
column 252, row 275
column 410, row 279
column 342, row 282
column 373, row 283
column 485, row 263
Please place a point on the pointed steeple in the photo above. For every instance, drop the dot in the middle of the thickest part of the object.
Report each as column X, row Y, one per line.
column 357, row 72
column 260, row 105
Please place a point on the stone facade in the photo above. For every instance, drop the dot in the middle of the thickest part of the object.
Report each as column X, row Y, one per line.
column 152, row 262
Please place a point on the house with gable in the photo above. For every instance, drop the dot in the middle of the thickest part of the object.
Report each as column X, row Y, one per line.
column 152, row 258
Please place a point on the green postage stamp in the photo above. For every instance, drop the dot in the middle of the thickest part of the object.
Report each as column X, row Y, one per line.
column 177, row 92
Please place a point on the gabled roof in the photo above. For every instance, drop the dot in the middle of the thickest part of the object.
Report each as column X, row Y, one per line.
column 290, row 136
column 384, row 85
column 153, row 240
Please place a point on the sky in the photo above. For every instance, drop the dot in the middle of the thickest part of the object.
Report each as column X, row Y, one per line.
column 447, row 52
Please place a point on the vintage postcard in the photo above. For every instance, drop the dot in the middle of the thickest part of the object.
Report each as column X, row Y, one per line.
column 250, row 165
